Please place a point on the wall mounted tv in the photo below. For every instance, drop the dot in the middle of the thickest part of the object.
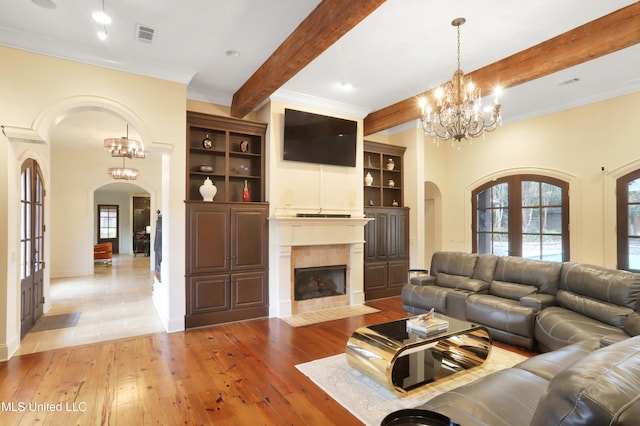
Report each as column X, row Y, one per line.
column 314, row 138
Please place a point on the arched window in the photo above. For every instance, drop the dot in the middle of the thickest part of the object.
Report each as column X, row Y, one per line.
column 628, row 221
column 522, row 215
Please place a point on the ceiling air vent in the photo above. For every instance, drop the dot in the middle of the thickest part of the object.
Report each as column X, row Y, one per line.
column 570, row 81
column 145, row 34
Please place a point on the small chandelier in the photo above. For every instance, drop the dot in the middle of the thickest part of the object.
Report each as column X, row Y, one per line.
column 457, row 113
column 123, row 172
column 124, row 147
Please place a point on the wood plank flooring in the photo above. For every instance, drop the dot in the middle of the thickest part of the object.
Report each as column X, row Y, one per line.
column 233, row 374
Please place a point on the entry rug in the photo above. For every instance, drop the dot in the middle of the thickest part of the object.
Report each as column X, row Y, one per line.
column 52, row 322
column 371, row 402
column 322, row 315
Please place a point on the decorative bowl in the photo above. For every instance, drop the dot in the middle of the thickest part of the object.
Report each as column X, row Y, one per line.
column 206, row 169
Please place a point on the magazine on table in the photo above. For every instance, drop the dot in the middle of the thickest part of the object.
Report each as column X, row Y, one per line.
column 427, row 324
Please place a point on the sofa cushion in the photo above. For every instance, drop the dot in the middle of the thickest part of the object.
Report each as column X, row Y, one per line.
column 461, row 283
column 547, row 365
column 511, row 290
column 609, row 285
column 540, row 273
column 502, row 314
column 557, row 327
column 632, row 324
column 453, row 263
column 504, row 398
column 424, row 298
column 600, row 389
column 602, row 311
column 485, row 267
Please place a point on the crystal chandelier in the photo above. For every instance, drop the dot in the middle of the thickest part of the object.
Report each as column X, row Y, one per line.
column 458, row 111
column 124, row 147
column 123, row 172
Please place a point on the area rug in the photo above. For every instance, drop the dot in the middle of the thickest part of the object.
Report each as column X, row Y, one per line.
column 371, row 402
column 52, row 322
column 331, row 314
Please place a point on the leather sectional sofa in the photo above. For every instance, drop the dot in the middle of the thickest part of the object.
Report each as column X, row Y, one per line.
column 534, row 304
column 579, row 384
column 583, row 317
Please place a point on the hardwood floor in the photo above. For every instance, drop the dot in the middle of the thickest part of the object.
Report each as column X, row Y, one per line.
column 231, row 374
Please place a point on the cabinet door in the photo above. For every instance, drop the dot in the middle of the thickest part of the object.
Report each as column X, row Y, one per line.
column 370, row 238
column 382, row 235
column 208, row 294
column 208, row 250
column 249, row 229
column 248, row 289
column 398, row 274
column 375, row 276
column 398, row 234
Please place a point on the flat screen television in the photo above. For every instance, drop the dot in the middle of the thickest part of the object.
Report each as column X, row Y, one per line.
column 314, row 138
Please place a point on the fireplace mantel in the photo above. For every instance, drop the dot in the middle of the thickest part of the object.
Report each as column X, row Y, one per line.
column 302, row 231
column 292, row 232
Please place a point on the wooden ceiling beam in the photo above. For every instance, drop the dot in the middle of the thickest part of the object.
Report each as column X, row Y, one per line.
column 329, row 21
column 613, row 32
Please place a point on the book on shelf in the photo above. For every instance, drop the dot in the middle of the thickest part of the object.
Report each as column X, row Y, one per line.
column 427, row 324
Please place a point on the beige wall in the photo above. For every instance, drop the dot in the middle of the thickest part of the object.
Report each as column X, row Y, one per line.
column 40, row 91
column 572, row 145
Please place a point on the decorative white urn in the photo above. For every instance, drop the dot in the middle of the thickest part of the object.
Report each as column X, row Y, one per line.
column 208, row 190
column 368, row 179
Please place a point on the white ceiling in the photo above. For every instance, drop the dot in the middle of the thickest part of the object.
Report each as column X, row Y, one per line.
column 403, row 48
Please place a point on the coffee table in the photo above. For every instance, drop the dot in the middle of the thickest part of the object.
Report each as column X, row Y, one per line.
column 406, row 361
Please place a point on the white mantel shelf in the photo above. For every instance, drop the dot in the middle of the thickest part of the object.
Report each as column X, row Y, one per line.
column 298, row 231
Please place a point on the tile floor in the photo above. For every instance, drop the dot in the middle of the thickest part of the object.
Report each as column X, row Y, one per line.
column 115, row 302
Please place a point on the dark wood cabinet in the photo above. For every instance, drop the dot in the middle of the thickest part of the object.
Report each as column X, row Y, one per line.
column 227, row 238
column 228, row 151
column 386, row 266
column 384, row 164
column 227, row 258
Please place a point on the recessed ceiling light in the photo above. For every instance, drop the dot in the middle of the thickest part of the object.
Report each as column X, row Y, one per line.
column 47, row 4
column 232, row 53
column 102, row 35
column 101, row 17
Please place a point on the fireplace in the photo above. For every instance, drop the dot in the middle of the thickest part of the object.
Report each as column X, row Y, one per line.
column 313, row 242
column 319, row 281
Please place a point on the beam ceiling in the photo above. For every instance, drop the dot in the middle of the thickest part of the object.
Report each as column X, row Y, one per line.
column 329, row 21
column 613, row 32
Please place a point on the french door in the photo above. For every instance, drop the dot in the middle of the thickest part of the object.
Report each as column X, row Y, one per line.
column 32, row 229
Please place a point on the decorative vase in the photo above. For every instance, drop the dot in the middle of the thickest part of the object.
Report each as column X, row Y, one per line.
column 246, row 195
column 391, row 183
column 368, row 179
column 390, row 164
column 208, row 190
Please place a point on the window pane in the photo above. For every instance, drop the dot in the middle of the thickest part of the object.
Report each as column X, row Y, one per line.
column 552, row 248
column 531, row 246
column 500, row 220
column 484, row 199
column 552, row 220
column 484, row 220
column 551, row 195
column 530, row 193
column 501, row 244
column 500, row 195
column 634, row 253
column 530, row 220
column 634, row 219
column 112, row 233
column 634, row 191
column 484, row 243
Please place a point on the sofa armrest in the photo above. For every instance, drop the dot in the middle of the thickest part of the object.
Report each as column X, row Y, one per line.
column 423, row 280
column 538, row 301
column 632, row 324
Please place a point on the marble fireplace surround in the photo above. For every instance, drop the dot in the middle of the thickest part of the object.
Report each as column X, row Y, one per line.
column 315, row 241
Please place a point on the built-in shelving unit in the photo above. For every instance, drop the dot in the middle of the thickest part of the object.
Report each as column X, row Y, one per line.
column 385, row 165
